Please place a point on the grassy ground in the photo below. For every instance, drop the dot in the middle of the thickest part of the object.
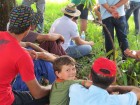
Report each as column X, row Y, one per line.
column 94, row 33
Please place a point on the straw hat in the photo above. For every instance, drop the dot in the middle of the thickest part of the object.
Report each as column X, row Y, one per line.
column 71, row 10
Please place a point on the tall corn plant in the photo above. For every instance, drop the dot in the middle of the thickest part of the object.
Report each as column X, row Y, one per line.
column 5, row 9
column 89, row 4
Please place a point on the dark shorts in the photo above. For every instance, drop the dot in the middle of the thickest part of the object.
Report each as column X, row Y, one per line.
column 25, row 98
column 84, row 11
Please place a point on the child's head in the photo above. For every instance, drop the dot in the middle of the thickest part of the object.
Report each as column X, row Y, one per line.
column 64, row 67
column 103, row 72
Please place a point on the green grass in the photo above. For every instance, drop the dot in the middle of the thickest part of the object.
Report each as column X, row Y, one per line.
column 94, row 33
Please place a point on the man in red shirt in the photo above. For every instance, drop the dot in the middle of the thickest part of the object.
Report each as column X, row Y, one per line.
column 14, row 59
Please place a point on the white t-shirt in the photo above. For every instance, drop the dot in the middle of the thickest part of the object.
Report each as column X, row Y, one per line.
column 67, row 28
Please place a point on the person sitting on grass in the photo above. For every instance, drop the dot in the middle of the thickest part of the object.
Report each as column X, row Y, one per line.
column 69, row 30
column 65, row 70
column 103, row 74
column 43, row 67
column 15, row 59
column 49, row 42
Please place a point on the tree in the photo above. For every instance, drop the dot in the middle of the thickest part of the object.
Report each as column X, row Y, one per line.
column 5, row 9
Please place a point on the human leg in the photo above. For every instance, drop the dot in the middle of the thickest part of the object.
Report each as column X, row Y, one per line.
column 110, row 26
column 120, row 27
column 42, row 69
column 40, row 5
column 83, row 17
column 78, row 51
column 28, row 2
column 136, row 12
column 53, row 47
column 25, row 98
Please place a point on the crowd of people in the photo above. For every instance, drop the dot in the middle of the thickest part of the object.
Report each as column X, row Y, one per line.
column 35, row 57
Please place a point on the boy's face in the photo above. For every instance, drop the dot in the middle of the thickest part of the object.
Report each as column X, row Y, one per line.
column 68, row 72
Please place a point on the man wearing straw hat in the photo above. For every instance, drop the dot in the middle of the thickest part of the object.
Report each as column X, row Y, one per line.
column 66, row 27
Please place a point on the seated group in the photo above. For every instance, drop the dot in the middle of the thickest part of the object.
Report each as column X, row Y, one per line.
column 51, row 49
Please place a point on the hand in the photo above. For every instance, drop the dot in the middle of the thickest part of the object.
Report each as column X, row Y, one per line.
column 91, row 43
column 46, row 56
column 113, row 11
column 55, row 37
column 33, row 54
column 88, row 83
column 115, row 15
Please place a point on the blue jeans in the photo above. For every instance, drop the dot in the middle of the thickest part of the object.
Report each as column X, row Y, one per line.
column 120, row 27
column 134, row 8
column 40, row 5
column 41, row 69
column 77, row 51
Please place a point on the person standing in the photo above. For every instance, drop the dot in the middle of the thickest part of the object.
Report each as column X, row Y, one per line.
column 40, row 5
column 113, row 16
column 84, row 14
column 134, row 8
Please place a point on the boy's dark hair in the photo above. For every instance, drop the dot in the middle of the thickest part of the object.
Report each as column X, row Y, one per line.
column 100, row 80
column 61, row 61
column 20, row 19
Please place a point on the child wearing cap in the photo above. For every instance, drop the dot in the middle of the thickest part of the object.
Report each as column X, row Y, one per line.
column 65, row 71
column 103, row 74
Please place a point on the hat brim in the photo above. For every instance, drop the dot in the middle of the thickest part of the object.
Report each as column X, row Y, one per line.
column 76, row 14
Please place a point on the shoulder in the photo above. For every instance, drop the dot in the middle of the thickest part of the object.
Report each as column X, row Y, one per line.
column 76, row 87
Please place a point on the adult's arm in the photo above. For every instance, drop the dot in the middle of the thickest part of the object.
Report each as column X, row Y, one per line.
column 32, row 45
column 37, row 90
column 80, row 41
column 125, row 89
column 50, row 37
column 120, row 3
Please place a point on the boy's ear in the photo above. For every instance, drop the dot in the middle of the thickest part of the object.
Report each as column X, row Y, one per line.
column 58, row 74
column 89, row 76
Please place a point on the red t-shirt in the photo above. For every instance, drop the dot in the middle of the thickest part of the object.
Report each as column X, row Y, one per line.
column 13, row 60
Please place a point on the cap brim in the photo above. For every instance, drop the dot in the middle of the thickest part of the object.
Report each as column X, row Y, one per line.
column 76, row 14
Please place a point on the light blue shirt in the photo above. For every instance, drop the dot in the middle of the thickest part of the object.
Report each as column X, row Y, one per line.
column 79, row 95
column 104, row 13
column 135, row 0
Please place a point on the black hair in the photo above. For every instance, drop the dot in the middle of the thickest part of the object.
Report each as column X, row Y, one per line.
column 68, row 16
column 18, row 30
column 100, row 80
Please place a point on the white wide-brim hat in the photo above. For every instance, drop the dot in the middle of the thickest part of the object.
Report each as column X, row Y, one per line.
column 71, row 10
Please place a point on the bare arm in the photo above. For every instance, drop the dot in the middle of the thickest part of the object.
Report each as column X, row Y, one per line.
column 48, row 37
column 120, row 3
column 37, row 90
column 32, row 45
column 80, row 41
column 125, row 89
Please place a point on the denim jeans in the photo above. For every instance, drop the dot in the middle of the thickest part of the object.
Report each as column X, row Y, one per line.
column 40, row 5
column 120, row 27
column 77, row 51
column 134, row 8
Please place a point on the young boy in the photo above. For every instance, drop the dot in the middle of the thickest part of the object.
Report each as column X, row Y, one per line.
column 65, row 71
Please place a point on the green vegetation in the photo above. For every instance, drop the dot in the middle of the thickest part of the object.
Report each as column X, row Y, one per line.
column 128, row 71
